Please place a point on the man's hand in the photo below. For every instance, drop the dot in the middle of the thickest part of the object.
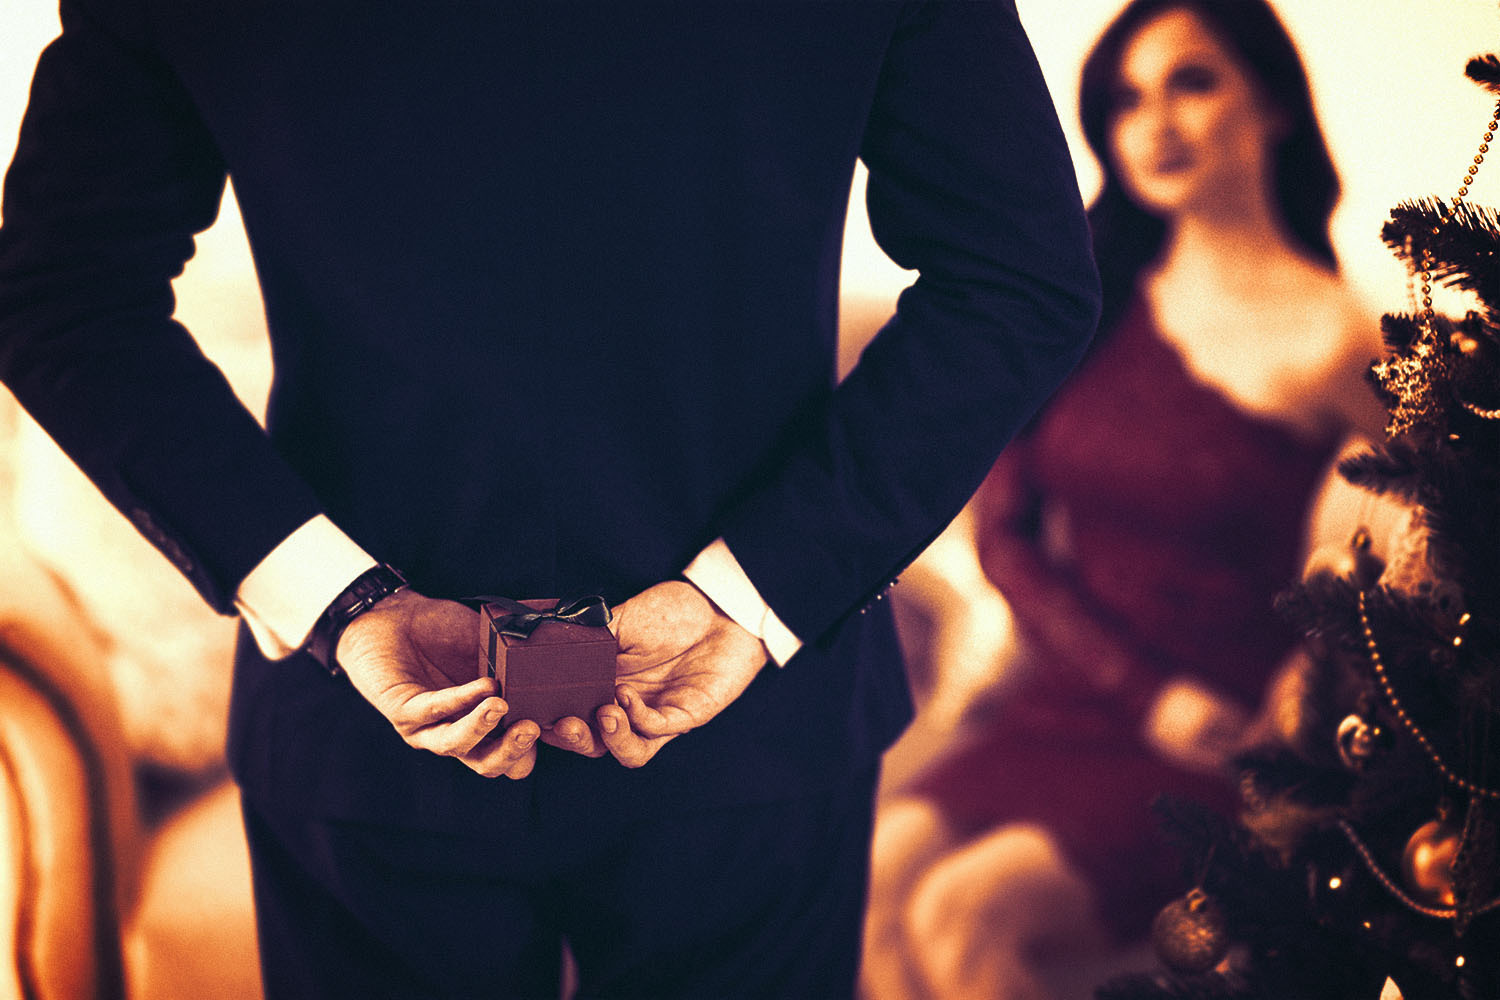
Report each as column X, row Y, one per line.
column 416, row 660
column 681, row 662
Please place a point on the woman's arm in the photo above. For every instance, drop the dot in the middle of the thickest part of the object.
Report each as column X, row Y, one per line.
column 1064, row 630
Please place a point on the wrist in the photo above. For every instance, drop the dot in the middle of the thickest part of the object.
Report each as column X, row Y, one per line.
column 363, row 593
column 718, row 576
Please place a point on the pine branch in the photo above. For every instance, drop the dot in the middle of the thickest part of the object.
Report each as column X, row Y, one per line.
column 1485, row 71
column 1323, row 607
column 1276, row 776
column 1457, row 494
column 1462, row 241
column 1399, row 330
column 1395, row 469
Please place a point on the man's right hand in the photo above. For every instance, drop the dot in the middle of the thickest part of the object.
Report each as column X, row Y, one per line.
column 413, row 658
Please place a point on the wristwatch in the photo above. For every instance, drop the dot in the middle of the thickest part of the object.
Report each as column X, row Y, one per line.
column 368, row 589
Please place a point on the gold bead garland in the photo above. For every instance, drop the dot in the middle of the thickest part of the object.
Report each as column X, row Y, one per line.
column 1402, row 716
column 1426, row 263
column 1390, row 885
column 1480, row 411
column 1484, row 147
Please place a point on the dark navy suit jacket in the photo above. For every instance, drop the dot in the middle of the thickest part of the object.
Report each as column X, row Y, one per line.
column 552, row 295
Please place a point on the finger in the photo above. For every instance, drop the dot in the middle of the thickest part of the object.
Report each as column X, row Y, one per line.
column 627, row 746
column 429, row 707
column 478, row 725
column 650, row 721
column 454, row 737
column 510, row 755
column 572, row 733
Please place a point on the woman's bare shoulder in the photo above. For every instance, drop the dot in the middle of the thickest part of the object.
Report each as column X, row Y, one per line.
column 1323, row 316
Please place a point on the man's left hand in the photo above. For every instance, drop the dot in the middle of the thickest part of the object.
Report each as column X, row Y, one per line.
column 682, row 661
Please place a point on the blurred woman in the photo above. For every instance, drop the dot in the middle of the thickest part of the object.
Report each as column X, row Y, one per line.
column 1141, row 526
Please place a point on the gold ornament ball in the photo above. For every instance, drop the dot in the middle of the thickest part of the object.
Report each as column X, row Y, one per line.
column 1427, row 862
column 1190, row 934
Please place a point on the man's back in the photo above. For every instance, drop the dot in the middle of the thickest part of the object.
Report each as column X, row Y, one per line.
column 552, row 296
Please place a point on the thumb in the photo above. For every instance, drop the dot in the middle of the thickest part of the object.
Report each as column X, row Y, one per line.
column 650, row 720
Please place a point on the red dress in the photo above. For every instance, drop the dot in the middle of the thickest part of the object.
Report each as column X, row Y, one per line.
column 1172, row 518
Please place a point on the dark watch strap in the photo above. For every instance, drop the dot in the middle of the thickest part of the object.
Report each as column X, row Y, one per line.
column 369, row 588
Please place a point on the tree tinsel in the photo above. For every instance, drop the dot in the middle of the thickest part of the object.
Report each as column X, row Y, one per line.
column 1367, row 846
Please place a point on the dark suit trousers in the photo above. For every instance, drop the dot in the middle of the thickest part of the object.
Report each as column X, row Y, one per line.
column 761, row 900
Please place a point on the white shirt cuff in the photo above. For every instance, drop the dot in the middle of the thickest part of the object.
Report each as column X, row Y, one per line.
column 283, row 596
column 718, row 574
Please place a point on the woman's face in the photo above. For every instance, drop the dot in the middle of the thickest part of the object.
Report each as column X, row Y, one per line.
column 1189, row 132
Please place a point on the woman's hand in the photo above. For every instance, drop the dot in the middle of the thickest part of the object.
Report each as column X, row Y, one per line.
column 1194, row 727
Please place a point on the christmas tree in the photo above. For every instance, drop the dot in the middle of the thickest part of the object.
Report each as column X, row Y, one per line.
column 1365, row 862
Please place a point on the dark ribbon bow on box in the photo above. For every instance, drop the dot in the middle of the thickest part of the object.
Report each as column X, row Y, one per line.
column 522, row 620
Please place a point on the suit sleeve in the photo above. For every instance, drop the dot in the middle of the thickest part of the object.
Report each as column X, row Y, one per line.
column 114, row 174
column 971, row 185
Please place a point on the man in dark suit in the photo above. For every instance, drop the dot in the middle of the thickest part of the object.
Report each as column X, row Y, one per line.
column 551, row 291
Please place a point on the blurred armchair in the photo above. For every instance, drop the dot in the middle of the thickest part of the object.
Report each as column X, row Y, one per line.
column 108, row 889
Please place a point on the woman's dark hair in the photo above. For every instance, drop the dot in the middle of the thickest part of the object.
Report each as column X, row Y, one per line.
column 1306, row 186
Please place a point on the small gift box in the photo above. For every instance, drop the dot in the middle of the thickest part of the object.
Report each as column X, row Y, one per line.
column 551, row 660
